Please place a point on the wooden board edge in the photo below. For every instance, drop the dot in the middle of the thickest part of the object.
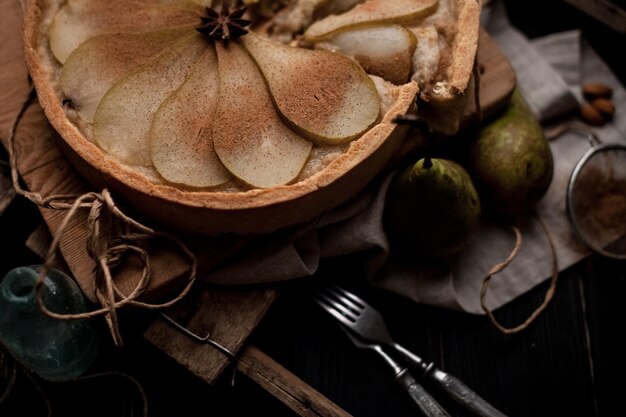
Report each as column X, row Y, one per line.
column 285, row 386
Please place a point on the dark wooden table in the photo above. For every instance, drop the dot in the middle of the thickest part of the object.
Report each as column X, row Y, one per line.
column 570, row 362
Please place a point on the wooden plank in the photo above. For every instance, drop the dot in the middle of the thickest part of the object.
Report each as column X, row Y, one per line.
column 604, row 292
column 227, row 315
column 39, row 241
column 285, row 386
column 497, row 81
column 497, row 77
column 531, row 373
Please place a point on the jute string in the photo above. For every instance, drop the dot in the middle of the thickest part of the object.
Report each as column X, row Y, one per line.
column 112, row 236
column 501, row 266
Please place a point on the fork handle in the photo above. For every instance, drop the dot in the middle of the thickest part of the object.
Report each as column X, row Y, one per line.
column 463, row 394
column 456, row 389
column 427, row 404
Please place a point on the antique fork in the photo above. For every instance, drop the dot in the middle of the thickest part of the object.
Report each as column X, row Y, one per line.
column 427, row 404
column 367, row 322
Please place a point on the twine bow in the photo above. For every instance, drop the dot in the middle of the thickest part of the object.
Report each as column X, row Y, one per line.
column 112, row 235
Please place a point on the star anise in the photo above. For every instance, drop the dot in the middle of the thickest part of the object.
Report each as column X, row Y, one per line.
column 224, row 25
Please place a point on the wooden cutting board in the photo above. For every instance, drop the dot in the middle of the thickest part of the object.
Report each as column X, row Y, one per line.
column 229, row 314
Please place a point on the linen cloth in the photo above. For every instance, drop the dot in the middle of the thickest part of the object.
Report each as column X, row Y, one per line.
column 549, row 72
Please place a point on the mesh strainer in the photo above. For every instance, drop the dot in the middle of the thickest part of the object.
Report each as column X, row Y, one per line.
column 596, row 198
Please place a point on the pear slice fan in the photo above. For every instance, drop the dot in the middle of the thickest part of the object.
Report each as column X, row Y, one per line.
column 205, row 130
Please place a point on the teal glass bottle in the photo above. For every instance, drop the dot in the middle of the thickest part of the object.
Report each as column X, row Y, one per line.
column 54, row 349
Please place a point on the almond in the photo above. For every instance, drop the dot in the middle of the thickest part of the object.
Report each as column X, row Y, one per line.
column 590, row 115
column 596, row 90
column 604, row 106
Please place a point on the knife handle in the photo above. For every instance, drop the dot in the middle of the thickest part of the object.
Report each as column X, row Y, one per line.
column 451, row 385
column 427, row 404
column 463, row 394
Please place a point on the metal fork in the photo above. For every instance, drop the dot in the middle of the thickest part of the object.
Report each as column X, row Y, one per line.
column 367, row 322
column 427, row 404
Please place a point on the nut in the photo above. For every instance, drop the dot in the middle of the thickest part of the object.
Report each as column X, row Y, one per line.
column 592, row 91
column 604, row 106
column 591, row 115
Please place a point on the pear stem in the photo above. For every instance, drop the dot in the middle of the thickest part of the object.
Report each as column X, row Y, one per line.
column 415, row 121
column 428, row 161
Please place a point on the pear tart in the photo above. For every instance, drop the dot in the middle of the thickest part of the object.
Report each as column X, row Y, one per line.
column 206, row 122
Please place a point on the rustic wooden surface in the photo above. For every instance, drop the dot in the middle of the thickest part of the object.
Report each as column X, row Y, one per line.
column 288, row 388
column 497, row 77
column 226, row 315
column 571, row 362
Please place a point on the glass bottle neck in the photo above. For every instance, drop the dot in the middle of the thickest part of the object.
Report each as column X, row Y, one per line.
column 18, row 289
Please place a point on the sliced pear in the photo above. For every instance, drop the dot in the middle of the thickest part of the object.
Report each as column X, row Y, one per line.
column 181, row 137
column 324, row 96
column 369, row 13
column 385, row 51
column 249, row 135
column 303, row 12
column 123, row 117
column 79, row 20
column 101, row 61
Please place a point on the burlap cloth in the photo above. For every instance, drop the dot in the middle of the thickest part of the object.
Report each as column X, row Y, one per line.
column 550, row 71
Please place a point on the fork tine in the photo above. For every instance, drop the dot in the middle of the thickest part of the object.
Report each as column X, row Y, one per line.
column 337, row 305
column 341, row 295
column 324, row 303
column 358, row 300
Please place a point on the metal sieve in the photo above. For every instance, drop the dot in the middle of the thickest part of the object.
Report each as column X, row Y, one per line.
column 596, row 198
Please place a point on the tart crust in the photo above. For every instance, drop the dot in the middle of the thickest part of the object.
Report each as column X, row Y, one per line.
column 446, row 101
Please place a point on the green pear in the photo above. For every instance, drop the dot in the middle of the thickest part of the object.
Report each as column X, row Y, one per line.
column 432, row 208
column 511, row 161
